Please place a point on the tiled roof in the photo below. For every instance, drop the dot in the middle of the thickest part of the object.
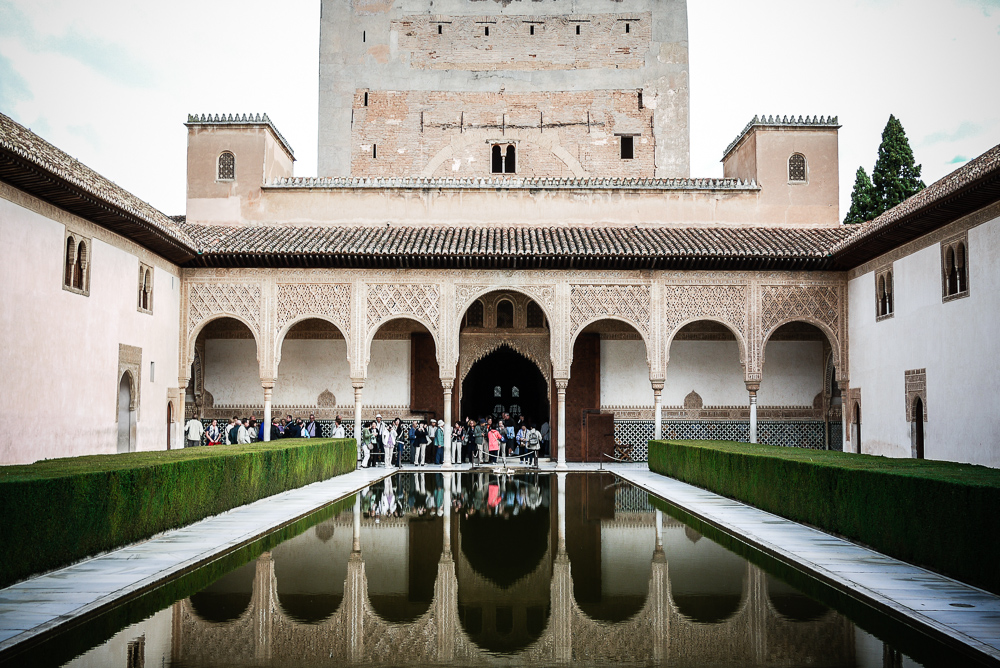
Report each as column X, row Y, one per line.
column 783, row 122
column 32, row 164
column 360, row 183
column 967, row 189
column 245, row 119
column 517, row 247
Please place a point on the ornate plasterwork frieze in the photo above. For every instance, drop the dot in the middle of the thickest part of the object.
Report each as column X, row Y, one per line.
column 628, row 302
column 475, row 347
column 421, row 301
column 206, row 300
column 715, row 412
column 723, row 303
column 328, row 300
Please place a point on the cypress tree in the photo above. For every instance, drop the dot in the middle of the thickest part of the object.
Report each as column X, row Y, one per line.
column 895, row 176
column 863, row 204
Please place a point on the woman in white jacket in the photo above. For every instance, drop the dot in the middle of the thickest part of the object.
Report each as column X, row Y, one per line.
column 389, row 441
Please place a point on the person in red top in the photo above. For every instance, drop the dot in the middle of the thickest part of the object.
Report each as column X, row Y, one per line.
column 494, row 438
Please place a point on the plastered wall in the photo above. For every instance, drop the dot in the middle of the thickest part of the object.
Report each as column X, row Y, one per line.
column 956, row 342
column 60, row 354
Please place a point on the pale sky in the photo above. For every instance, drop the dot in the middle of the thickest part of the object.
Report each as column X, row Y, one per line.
column 111, row 81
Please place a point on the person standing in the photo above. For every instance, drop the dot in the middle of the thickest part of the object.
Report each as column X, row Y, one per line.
column 193, row 430
column 439, row 443
column 479, row 435
column 534, row 444
column 338, row 428
column 457, row 437
column 522, row 439
column 233, row 431
column 493, row 439
column 275, row 429
column 214, row 433
column 420, row 444
column 510, row 436
column 389, row 443
column 546, row 435
column 243, row 435
column 311, row 426
column 367, row 436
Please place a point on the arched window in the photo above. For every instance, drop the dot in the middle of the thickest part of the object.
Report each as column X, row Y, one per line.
column 474, row 316
column 227, row 166
column 797, row 167
column 960, row 268
column 496, row 160
column 80, row 268
column 951, row 271
column 70, row 261
column 883, row 294
column 536, row 318
column 955, row 268
column 510, row 160
column 145, row 288
column 497, row 392
column 505, row 314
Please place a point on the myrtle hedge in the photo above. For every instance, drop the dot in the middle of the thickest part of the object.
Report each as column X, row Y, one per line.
column 58, row 511
column 941, row 515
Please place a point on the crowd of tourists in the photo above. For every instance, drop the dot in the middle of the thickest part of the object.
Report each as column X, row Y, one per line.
column 251, row 430
column 473, row 495
column 488, row 440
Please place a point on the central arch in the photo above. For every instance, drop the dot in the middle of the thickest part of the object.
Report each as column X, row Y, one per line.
column 505, row 381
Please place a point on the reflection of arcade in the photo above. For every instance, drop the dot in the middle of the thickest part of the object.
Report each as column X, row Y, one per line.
column 618, row 603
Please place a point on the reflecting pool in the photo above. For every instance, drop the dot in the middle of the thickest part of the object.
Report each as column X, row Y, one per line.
column 472, row 569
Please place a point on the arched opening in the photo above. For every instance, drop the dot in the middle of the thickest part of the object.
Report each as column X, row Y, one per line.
column 856, row 427
column 797, row 167
column 474, row 316
column 126, row 416
column 510, row 160
column 793, row 379
column 792, row 604
column 609, row 372
column 145, row 289
column 505, row 314
column 505, row 381
column 227, row 598
column 951, row 270
column 706, row 580
column 70, row 261
column 227, row 166
column 505, row 534
column 961, row 269
column 610, row 560
column 704, row 373
column 918, row 428
column 80, row 268
column 225, row 376
column 310, row 572
column 496, row 159
column 314, row 376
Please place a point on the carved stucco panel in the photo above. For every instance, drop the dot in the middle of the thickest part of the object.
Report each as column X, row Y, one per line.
column 331, row 300
column 210, row 299
column 388, row 300
column 476, row 347
column 686, row 303
column 627, row 302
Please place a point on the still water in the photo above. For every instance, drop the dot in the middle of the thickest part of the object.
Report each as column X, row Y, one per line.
column 472, row 569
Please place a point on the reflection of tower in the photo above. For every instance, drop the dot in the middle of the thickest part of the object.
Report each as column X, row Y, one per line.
column 562, row 588
column 446, row 587
column 264, row 590
column 356, row 590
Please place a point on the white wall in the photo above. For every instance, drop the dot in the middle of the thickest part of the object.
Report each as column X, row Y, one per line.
column 307, row 367
column 157, row 631
column 956, row 342
column 793, row 373
column 60, row 352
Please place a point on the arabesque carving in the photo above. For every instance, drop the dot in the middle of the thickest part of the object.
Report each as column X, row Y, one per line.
column 628, row 302
column 387, row 300
column 209, row 299
column 332, row 300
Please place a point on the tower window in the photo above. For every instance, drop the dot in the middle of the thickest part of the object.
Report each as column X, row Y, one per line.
column 627, row 28
column 366, row 98
column 227, row 166
column 487, row 31
column 797, row 167
column 374, row 151
column 439, row 28
column 628, row 147
column 364, row 36
column 578, row 30
column 505, row 314
column 503, row 159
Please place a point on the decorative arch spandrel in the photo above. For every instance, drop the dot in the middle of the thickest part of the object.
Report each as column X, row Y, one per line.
column 728, row 305
column 824, row 306
column 296, row 302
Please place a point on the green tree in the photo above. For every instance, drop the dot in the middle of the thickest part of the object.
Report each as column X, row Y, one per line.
column 895, row 176
column 863, row 204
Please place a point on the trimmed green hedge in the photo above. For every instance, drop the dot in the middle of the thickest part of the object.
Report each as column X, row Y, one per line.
column 941, row 515
column 58, row 511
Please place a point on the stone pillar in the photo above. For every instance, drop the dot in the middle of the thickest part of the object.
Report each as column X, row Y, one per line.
column 359, row 385
column 657, row 410
column 268, row 388
column 752, row 389
column 561, row 384
column 447, row 384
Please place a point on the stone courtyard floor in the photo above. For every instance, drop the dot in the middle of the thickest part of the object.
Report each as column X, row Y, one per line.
column 937, row 605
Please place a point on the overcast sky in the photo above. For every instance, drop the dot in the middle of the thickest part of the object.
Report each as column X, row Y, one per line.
column 112, row 81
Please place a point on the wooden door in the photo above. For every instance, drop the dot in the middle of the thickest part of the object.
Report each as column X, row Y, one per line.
column 599, row 435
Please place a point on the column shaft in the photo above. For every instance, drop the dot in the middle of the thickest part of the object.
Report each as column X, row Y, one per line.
column 358, row 387
column 267, row 411
column 561, row 421
column 447, row 385
column 752, row 388
column 657, row 411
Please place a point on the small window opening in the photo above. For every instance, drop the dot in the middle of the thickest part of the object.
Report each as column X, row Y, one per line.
column 628, row 147
column 70, row 261
column 80, row 269
column 531, row 30
column 960, row 268
column 497, row 392
column 439, row 28
column 366, row 98
column 474, row 316
column 227, row 166
column 883, row 295
column 952, row 270
column 364, row 36
column 510, row 160
column 797, row 167
column 640, row 99
column 578, row 30
column 496, row 161
column 627, row 28
column 487, row 31
column 374, row 151
column 535, row 316
column 152, row 372
column 503, row 159
column 505, row 315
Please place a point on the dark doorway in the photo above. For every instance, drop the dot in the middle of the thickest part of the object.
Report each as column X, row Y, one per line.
column 170, row 423
column 857, row 428
column 918, row 428
column 505, row 381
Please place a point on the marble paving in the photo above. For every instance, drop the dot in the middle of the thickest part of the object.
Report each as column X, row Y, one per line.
column 934, row 603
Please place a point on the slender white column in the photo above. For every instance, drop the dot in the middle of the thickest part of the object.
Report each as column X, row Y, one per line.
column 359, row 385
column 657, row 411
column 356, row 544
column 561, row 537
column 752, row 388
column 447, row 384
column 268, row 388
column 447, row 514
column 561, row 421
column 659, row 529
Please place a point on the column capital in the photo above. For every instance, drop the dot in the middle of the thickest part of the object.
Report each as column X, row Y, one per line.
column 753, row 387
column 268, row 385
column 844, row 385
column 657, row 387
column 357, row 384
column 561, row 384
column 447, row 384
